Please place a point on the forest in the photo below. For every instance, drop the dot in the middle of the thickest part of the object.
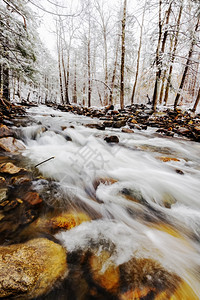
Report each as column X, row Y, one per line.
column 107, row 53
column 99, row 149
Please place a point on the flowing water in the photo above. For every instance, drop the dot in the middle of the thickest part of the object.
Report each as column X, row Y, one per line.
column 144, row 206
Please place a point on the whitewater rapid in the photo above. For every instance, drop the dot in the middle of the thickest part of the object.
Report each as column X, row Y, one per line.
column 82, row 158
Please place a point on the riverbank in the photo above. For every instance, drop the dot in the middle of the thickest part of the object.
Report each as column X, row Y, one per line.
column 168, row 121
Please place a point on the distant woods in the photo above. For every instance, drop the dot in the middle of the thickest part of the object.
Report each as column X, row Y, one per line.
column 107, row 53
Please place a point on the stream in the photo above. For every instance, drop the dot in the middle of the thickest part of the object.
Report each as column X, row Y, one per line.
column 142, row 194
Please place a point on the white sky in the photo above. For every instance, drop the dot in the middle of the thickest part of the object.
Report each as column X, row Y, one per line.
column 47, row 23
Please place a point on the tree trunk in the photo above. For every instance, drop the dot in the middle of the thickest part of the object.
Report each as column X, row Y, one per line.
column 114, row 71
column 59, row 67
column 84, row 93
column 1, row 80
column 123, row 56
column 75, row 85
column 138, row 55
column 66, row 78
column 89, row 68
column 158, row 73
column 196, row 102
column 173, row 55
column 186, row 66
column 164, row 76
column 159, row 55
column 6, row 85
column 106, row 65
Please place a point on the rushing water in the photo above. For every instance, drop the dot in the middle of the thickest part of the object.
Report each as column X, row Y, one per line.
column 144, row 206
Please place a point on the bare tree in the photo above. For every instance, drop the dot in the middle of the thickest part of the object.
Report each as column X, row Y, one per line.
column 58, row 31
column 138, row 54
column 104, row 21
column 123, row 55
column 173, row 54
column 197, row 101
column 160, row 53
column 114, row 70
column 193, row 41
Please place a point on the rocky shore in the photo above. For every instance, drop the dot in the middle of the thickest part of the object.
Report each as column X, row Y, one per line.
column 168, row 122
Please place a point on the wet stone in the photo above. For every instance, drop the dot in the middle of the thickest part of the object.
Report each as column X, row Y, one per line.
column 108, row 123
column 119, row 124
column 11, row 205
column 5, row 131
column 33, row 198
column 26, row 269
column 2, row 180
column 10, row 144
column 3, row 194
column 10, row 168
column 112, row 139
column 20, row 179
column 127, row 130
column 183, row 131
column 96, row 126
column 104, row 272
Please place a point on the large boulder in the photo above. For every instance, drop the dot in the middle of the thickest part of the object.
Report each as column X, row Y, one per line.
column 31, row 269
column 10, row 144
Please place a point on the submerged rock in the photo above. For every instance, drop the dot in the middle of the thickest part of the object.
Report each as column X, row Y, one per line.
column 31, row 269
column 52, row 224
column 10, row 144
column 145, row 277
column 10, row 168
column 166, row 159
column 104, row 272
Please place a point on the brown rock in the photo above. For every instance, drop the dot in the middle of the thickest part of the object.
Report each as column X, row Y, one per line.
column 112, row 139
column 138, row 293
column 10, row 205
column 63, row 221
column 119, row 124
column 108, row 123
column 96, row 126
column 2, row 180
column 32, row 198
column 1, row 216
column 183, row 131
column 133, row 121
column 10, row 168
column 20, row 179
column 10, row 144
column 166, row 158
column 127, row 130
column 3, row 194
column 104, row 272
column 197, row 129
column 143, row 276
column 5, row 131
column 31, row 269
